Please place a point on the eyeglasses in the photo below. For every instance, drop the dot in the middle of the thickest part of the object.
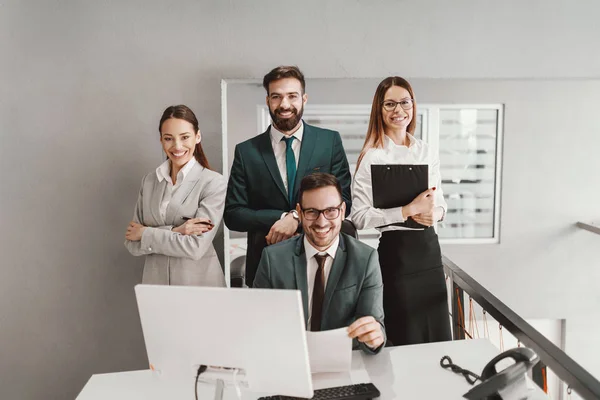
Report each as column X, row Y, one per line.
column 330, row 213
column 390, row 105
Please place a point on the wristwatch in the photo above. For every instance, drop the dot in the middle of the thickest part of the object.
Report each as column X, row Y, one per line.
column 295, row 215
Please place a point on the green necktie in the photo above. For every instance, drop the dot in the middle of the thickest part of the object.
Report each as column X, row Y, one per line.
column 290, row 166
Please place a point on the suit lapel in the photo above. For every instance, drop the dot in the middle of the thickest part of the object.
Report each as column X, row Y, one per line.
column 182, row 193
column 301, row 275
column 309, row 140
column 266, row 150
column 339, row 263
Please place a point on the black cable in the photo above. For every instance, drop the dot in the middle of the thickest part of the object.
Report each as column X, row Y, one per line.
column 469, row 376
column 201, row 369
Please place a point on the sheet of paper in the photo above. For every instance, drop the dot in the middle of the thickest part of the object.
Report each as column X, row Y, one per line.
column 329, row 351
column 357, row 374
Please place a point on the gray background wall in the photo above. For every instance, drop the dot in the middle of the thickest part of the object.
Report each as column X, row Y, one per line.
column 83, row 85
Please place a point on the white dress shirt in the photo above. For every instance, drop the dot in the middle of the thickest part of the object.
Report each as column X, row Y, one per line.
column 163, row 172
column 364, row 215
column 312, row 266
column 279, row 148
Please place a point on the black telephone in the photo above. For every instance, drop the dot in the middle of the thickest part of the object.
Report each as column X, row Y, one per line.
column 508, row 384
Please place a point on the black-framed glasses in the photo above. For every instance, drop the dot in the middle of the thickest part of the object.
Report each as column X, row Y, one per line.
column 330, row 213
column 405, row 104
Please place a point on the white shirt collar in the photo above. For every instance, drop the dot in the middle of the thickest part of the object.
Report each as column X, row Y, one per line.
column 311, row 251
column 164, row 171
column 389, row 143
column 276, row 135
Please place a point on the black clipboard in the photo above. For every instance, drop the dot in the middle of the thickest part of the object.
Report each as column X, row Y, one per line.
column 396, row 185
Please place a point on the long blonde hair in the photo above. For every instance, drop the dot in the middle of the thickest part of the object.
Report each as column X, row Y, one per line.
column 376, row 131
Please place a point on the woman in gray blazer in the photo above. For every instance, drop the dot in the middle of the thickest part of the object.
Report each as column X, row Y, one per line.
column 179, row 208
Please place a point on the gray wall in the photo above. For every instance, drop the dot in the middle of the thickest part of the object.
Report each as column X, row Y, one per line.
column 83, row 85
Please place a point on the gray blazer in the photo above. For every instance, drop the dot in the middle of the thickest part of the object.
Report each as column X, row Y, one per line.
column 172, row 258
column 354, row 287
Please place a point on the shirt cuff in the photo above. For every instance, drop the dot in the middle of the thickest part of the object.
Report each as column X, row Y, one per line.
column 145, row 241
column 283, row 215
column 394, row 215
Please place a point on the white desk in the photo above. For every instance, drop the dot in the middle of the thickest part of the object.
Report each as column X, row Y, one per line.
column 404, row 372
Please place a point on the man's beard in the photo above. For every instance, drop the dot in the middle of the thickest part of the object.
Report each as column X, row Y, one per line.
column 286, row 124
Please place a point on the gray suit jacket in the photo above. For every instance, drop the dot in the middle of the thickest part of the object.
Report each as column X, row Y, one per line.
column 354, row 287
column 172, row 258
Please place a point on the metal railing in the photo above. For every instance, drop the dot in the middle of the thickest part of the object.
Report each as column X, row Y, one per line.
column 589, row 227
column 570, row 372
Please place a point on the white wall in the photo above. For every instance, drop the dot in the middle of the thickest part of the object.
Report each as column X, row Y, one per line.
column 84, row 83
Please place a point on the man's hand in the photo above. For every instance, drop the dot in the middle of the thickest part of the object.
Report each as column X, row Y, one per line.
column 194, row 226
column 134, row 231
column 368, row 331
column 282, row 230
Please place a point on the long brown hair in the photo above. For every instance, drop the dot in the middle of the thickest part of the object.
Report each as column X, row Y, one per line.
column 185, row 113
column 376, row 131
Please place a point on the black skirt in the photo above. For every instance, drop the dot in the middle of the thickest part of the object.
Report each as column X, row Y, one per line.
column 415, row 300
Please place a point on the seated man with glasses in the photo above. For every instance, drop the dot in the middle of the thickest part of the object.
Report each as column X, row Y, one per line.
column 338, row 276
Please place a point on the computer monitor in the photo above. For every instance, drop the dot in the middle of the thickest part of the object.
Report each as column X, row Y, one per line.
column 261, row 331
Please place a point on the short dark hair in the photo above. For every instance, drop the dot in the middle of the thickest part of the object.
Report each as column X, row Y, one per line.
column 281, row 72
column 318, row 180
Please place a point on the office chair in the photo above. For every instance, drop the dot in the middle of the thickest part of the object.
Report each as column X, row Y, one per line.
column 237, row 273
column 349, row 229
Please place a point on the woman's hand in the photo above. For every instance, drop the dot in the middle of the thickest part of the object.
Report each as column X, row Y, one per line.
column 194, row 226
column 422, row 204
column 426, row 219
column 134, row 231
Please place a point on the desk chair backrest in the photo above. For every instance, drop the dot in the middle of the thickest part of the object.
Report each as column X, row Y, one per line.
column 237, row 273
column 349, row 229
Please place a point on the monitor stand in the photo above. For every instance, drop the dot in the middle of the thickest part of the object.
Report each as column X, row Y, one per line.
column 219, row 377
column 219, row 389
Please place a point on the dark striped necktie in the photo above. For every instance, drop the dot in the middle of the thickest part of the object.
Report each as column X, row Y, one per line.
column 318, row 294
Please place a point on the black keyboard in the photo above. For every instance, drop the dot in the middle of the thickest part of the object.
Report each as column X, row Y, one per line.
column 362, row 391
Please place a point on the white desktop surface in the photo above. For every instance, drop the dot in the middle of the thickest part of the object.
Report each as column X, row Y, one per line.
column 404, row 372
